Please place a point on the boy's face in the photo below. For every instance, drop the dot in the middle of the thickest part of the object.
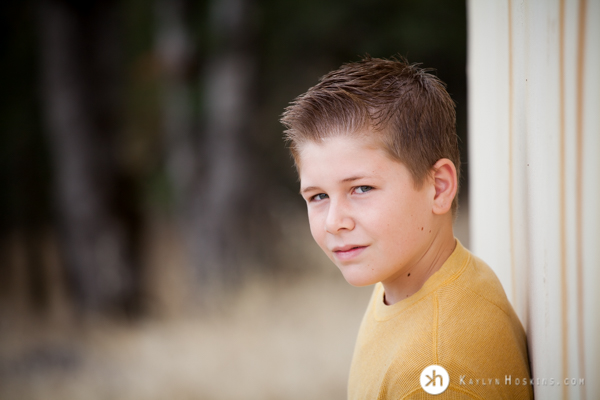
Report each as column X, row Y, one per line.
column 364, row 210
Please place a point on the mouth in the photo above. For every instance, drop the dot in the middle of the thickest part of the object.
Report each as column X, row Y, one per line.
column 348, row 252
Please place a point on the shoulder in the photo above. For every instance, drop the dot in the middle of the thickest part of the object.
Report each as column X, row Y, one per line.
column 479, row 336
column 479, row 286
column 473, row 309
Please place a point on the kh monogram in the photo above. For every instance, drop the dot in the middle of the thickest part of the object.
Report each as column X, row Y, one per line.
column 433, row 379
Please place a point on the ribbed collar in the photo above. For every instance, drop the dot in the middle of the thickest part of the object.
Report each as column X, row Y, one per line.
column 452, row 268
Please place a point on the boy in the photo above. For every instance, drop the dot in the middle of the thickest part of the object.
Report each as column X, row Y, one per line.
column 375, row 146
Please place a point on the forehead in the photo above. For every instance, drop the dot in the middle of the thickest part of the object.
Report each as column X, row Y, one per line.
column 337, row 156
column 335, row 146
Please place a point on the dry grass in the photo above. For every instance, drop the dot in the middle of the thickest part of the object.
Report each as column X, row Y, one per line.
column 290, row 341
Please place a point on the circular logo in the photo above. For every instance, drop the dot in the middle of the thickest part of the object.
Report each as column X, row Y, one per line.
column 435, row 379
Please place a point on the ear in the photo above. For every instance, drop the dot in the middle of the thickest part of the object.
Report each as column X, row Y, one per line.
column 446, row 185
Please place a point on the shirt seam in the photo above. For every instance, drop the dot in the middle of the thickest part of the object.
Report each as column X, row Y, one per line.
column 488, row 301
column 436, row 315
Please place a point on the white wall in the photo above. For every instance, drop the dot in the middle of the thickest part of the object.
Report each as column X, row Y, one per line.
column 534, row 137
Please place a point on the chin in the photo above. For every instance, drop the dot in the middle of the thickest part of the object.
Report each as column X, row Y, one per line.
column 358, row 279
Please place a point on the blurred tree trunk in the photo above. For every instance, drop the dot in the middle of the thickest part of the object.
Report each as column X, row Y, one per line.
column 211, row 171
column 174, row 49
column 225, row 194
column 80, row 63
column 224, row 197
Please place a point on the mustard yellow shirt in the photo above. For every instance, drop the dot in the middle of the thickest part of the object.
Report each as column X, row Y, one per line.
column 461, row 320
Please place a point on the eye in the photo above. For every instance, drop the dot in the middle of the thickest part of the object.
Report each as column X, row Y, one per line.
column 362, row 189
column 319, row 197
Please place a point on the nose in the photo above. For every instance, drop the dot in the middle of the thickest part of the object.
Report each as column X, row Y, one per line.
column 338, row 217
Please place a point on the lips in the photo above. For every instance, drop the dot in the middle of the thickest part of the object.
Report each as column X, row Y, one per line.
column 348, row 252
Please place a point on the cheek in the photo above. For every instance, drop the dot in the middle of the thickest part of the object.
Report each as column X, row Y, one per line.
column 316, row 227
column 401, row 219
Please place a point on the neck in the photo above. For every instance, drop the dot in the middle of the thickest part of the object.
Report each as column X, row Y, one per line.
column 412, row 278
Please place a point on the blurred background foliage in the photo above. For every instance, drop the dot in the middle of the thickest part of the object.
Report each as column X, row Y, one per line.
column 140, row 143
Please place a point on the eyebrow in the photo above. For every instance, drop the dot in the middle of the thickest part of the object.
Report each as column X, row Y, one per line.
column 352, row 178
column 345, row 180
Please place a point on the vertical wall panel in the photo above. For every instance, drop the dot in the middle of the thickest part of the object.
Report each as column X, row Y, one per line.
column 590, row 196
column 534, row 136
column 488, row 73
